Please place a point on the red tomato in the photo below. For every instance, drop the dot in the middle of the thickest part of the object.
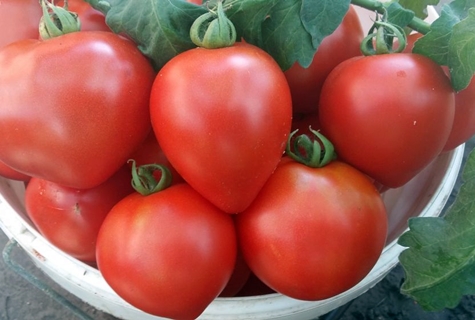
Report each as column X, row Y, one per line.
column 90, row 18
column 226, row 132
column 70, row 218
column 9, row 173
column 388, row 115
column 69, row 103
column 306, row 83
column 19, row 19
column 169, row 254
column 313, row 233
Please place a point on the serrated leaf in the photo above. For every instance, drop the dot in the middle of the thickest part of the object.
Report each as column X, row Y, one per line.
column 399, row 15
column 159, row 27
column 435, row 44
column 289, row 30
column 461, row 56
column 419, row 7
column 451, row 41
column 440, row 261
column 321, row 17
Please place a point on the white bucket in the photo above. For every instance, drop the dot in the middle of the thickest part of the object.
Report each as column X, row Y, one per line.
column 424, row 196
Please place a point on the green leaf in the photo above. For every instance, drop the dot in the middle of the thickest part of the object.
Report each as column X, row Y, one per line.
column 159, row 27
column 419, row 7
column 435, row 44
column 399, row 15
column 461, row 53
column 440, row 261
column 289, row 30
column 451, row 41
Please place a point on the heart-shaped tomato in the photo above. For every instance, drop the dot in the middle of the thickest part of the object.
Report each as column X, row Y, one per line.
column 222, row 117
column 73, row 108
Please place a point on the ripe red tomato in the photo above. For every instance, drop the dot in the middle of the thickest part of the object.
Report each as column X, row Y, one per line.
column 70, row 218
column 225, row 133
column 388, row 115
column 313, row 233
column 90, row 18
column 19, row 19
column 169, row 253
column 69, row 103
column 306, row 83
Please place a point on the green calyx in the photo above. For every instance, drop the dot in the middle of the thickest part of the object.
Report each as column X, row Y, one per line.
column 57, row 21
column 213, row 29
column 316, row 151
column 381, row 36
column 145, row 183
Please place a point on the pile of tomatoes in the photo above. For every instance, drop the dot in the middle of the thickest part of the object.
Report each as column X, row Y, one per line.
column 225, row 196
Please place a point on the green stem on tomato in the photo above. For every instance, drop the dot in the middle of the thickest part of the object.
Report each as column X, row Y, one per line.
column 416, row 24
column 143, row 180
column 313, row 152
column 57, row 21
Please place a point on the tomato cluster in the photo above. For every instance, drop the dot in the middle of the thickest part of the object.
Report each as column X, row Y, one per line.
column 240, row 209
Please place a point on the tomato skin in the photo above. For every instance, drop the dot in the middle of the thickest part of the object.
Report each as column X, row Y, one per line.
column 232, row 124
column 326, row 227
column 169, row 254
column 67, row 130
column 70, row 218
column 306, row 83
column 387, row 115
column 19, row 20
column 9, row 173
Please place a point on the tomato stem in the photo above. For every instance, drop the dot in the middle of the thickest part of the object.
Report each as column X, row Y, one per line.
column 143, row 180
column 213, row 29
column 309, row 151
column 383, row 38
column 416, row 23
column 57, row 21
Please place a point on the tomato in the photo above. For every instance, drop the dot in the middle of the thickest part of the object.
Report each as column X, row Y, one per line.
column 306, row 83
column 225, row 133
column 68, row 103
column 169, row 253
column 90, row 18
column 388, row 115
column 313, row 233
column 19, row 19
column 9, row 173
column 70, row 218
